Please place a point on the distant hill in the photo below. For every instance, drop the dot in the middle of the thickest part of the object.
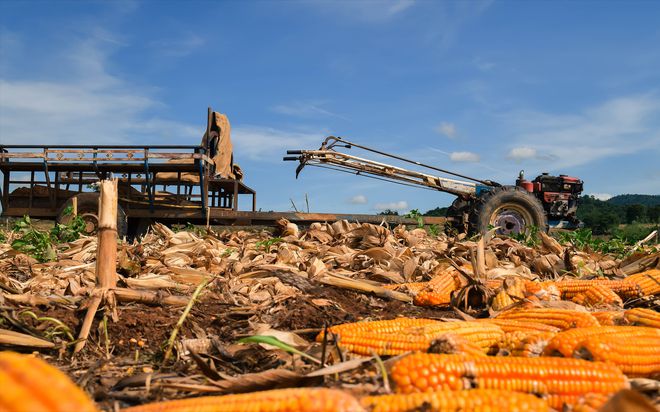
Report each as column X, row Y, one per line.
column 624, row 200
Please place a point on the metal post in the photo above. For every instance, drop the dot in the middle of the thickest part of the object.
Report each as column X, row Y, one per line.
column 235, row 199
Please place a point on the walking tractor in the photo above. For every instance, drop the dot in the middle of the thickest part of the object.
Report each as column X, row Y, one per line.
column 547, row 201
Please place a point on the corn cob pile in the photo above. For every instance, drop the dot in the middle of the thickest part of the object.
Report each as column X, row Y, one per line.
column 559, row 318
column 560, row 381
column 397, row 336
column 279, row 400
column 642, row 317
column 456, row 401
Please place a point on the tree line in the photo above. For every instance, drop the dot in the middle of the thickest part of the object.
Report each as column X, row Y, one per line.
column 604, row 217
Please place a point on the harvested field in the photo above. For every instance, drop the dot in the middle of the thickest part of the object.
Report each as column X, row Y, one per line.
column 172, row 328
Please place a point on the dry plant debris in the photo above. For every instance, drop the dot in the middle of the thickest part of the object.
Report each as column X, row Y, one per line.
column 245, row 316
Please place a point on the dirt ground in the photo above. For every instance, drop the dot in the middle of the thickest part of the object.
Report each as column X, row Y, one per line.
column 260, row 283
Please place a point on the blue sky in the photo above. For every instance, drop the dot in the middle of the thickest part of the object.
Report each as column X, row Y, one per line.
column 485, row 88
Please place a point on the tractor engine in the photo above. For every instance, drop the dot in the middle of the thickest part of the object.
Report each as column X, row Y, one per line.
column 558, row 194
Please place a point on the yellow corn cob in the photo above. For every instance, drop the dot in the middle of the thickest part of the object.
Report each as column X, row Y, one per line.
column 412, row 287
column 609, row 318
column 279, row 400
column 494, row 283
column 432, row 298
column 511, row 325
column 532, row 287
column 28, row 384
column 543, row 290
column 570, row 288
column 643, row 317
column 476, row 400
column 515, row 287
column 546, row 291
column 524, row 344
column 402, row 335
column 561, row 318
column 455, row 344
column 501, row 301
column 447, row 280
column 438, row 290
column 636, row 357
column 648, row 281
column 377, row 326
column 602, row 295
column 565, row 342
column 560, row 379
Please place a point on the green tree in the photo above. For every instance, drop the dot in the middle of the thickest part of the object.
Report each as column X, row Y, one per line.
column 438, row 211
column 653, row 213
column 389, row 212
column 601, row 222
column 635, row 213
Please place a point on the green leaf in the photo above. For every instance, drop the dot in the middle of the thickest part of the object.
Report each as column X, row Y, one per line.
column 18, row 244
column 273, row 341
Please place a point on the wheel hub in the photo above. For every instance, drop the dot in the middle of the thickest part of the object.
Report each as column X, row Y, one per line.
column 91, row 223
column 509, row 221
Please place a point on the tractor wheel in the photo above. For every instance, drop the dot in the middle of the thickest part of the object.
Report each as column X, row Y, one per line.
column 510, row 208
column 455, row 213
column 88, row 209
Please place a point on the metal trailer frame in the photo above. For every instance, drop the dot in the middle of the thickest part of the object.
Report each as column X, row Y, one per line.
column 57, row 172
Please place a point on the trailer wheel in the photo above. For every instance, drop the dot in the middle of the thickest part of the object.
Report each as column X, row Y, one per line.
column 510, row 208
column 88, row 209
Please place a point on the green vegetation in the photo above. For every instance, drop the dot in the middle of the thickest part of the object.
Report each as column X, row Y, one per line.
column 604, row 217
column 41, row 245
column 266, row 244
column 433, row 230
column 528, row 238
column 583, row 239
column 414, row 214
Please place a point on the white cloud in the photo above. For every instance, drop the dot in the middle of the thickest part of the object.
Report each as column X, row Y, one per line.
column 451, row 17
column 522, row 153
column 400, row 205
column 447, row 129
column 311, row 108
column 267, row 143
column 620, row 126
column 358, row 200
column 90, row 105
column 181, row 45
column 467, row 157
column 483, row 65
column 374, row 11
column 601, row 196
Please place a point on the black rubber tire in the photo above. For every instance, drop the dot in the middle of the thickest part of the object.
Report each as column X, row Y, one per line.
column 88, row 204
column 138, row 227
column 507, row 203
column 455, row 214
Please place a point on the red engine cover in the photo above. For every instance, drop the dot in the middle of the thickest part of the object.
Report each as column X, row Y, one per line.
column 527, row 185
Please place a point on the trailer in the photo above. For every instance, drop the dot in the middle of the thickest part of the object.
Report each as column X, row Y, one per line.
column 167, row 183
